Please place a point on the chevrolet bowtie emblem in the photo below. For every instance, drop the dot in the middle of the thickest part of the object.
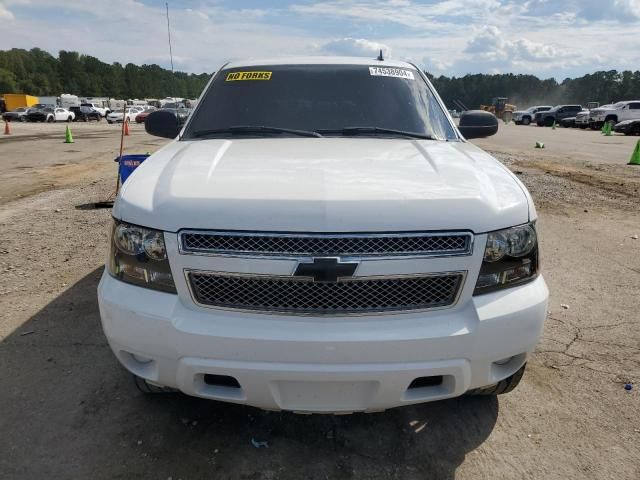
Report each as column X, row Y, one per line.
column 326, row 269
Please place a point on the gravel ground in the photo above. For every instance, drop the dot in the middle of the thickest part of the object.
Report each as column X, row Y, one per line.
column 68, row 410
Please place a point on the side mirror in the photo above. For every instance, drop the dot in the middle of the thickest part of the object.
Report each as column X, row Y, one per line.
column 478, row 124
column 162, row 124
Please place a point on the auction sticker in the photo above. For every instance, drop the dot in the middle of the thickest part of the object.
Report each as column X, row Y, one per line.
column 391, row 72
column 236, row 76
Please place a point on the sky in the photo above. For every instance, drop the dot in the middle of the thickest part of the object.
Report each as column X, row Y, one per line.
column 548, row 38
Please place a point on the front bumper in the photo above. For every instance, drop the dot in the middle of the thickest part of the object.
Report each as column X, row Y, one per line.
column 316, row 364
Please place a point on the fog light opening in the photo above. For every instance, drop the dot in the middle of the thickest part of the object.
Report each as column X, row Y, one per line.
column 221, row 381
column 421, row 382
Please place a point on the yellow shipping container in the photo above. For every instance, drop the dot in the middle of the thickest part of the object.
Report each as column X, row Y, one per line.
column 15, row 100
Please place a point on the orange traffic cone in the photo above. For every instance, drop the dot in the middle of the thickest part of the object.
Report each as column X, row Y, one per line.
column 7, row 129
column 126, row 129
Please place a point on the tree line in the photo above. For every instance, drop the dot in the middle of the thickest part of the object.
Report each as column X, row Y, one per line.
column 527, row 90
column 37, row 72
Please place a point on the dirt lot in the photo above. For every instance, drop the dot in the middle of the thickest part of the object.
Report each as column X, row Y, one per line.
column 68, row 410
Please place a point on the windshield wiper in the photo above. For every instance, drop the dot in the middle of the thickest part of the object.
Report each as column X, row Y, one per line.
column 379, row 130
column 248, row 129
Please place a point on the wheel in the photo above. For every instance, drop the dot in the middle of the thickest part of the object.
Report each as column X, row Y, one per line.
column 526, row 121
column 51, row 119
column 504, row 386
column 540, row 123
column 109, row 122
column 611, row 121
column 548, row 121
column 69, row 119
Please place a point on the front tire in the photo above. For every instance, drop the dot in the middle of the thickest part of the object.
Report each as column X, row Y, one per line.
column 50, row 119
column 526, row 121
column 504, row 386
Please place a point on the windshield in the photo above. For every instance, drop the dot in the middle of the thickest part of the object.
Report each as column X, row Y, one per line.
column 319, row 98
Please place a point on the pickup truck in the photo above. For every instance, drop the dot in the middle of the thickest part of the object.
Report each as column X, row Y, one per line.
column 525, row 117
column 319, row 236
column 101, row 110
column 617, row 112
column 557, row 113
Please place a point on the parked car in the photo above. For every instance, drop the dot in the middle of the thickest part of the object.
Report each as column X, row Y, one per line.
column 17, row 115
column 142, row 116
column 628, row 127
column 296, row 254
column 556, row 114
column 525, row 117
column 627, row 110
column 86, row 114
column 130, row 115
column 41, row 114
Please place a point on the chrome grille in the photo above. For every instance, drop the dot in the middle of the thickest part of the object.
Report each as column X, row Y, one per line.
column 304, row 296
column 291, row 244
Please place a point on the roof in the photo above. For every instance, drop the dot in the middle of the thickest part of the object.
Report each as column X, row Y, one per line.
column 318, row 60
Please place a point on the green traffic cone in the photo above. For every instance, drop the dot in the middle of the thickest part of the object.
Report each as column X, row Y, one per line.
column 68, row 138
column 607, row 132
column 539, row 145
column 635, row 156
column 604, row 128
column 553, row 125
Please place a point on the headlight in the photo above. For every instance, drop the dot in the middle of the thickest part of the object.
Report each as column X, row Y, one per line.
column 510, row 259
column 138, row 255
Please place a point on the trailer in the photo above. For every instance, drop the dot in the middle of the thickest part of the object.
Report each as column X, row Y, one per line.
column 16, row 100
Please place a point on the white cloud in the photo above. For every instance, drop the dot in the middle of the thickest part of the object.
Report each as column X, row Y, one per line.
column 357, row 47
column 494, row 45
column 5, row 14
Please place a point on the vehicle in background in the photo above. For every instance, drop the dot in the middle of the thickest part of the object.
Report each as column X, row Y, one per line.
column 64, row 115
column 68, row 101
column 86, row 114
column 115, row 105
column 129, row 116
column 41, row 114
column 613, row 114
column 182, row 113
column 142, row 116
column 582, row 118
column 17, row 115
column 500, row 108
column 454, row 113
column 52, row 101
column 628, row 127
column 17, row 100
column 525, row 117
column 557, row 113
column 101, row 110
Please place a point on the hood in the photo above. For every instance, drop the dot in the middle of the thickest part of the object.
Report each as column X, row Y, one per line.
column 323, row 185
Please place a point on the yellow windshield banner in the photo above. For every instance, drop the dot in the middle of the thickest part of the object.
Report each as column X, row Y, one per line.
column 236, row 76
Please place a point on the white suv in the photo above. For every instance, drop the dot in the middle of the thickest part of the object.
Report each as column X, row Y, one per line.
column 320, row 237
